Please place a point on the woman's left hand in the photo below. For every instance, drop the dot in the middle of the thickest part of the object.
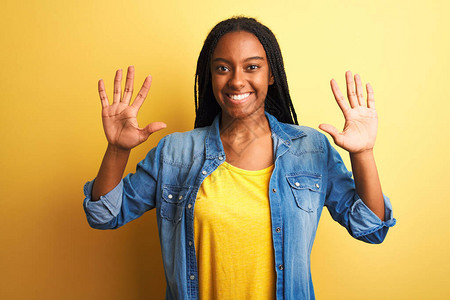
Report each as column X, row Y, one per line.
column 361, row 120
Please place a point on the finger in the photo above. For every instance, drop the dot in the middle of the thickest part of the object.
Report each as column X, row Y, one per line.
column 102, row 93
column 151, row 128
column 370, row 96
column 117, row 84
column 359, row 90
column 142, row 92
column 155, row 126
column 128, row 85
column 332, row 131
column 340, row 99
column 351, row 94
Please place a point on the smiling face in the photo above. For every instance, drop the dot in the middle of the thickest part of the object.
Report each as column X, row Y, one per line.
column 240, row 76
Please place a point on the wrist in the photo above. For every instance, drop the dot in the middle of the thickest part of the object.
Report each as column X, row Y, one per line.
column 363, row 155
column 117, row 151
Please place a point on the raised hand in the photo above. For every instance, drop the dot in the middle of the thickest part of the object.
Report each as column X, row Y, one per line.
column 119, row 118
column 361, row 120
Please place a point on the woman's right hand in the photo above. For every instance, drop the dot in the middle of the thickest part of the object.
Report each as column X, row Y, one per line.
column 119, row 118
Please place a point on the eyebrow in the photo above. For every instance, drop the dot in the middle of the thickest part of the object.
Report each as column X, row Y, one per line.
column 245, row 60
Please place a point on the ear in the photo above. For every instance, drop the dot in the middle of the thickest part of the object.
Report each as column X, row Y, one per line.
column 271, row 79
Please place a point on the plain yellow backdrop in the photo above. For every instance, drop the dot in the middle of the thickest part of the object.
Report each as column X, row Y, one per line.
column 54, row 52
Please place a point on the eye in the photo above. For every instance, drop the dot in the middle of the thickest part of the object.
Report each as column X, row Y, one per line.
column 253, row 67
column 222, row 69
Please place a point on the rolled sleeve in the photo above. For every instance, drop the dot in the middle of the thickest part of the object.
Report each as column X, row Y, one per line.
column 347, row 208
column 106, row 208
column 365, row 225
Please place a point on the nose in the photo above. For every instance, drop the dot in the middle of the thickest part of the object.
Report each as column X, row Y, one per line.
column 237, row 80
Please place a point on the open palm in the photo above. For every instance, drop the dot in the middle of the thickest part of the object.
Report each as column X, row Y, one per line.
column 361, row 120
column 119, row 118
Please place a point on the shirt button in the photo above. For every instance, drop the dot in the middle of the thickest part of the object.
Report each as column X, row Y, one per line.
column 189, row 206
column 274, row 190
column 280, row 267
column 192, row 277
column 221, row 157
column 317, row 185
column 297, row 184
column 190, row 243
column 181, row 197
column 204, row 172
column 170, row 196
column 278, row 229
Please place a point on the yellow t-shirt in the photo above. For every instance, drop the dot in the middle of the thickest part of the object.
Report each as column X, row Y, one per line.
column 233, row 239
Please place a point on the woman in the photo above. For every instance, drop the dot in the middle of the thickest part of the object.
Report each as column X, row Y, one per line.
column 257, row 181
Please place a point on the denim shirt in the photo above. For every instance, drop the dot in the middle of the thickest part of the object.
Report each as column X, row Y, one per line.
column 308, row 175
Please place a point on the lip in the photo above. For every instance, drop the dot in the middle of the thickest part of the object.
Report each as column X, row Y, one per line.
column 227, row 95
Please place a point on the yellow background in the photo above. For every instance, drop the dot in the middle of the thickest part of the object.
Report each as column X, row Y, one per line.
column 53, row 53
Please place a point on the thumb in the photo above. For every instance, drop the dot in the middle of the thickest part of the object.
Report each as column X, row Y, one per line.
column 155, row 126
column 151, row 128
column 331, row 130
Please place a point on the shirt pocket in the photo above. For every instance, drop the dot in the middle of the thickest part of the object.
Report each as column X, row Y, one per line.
column 306, row 189
column 173, row 202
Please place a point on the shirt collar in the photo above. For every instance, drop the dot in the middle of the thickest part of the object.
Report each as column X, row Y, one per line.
column 213, row 144
column 285, row 132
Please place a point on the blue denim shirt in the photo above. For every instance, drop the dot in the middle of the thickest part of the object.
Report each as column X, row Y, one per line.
column 308, row 175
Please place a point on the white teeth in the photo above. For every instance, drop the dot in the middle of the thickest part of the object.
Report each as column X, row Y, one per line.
column 239, row 97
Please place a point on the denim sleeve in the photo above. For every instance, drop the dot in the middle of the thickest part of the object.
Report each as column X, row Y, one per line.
column 347, row 208
column 106, row 208
column 132, row 197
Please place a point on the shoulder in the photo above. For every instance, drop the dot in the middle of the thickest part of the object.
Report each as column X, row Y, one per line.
column 306, row 139
column 294, row 132
column 305, row 130
column 187, row 136
column 184, row 144
column 299, row 131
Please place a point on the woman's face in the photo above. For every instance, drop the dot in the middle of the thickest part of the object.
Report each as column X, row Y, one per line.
column 240, row 75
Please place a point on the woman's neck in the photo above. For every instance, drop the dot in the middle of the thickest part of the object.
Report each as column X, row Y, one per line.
column 247, row 143
column 250, row 127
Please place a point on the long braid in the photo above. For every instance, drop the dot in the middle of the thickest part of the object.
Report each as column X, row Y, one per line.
column 278, row 100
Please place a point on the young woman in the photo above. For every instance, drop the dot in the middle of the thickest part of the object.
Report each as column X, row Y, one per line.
column 239, row 198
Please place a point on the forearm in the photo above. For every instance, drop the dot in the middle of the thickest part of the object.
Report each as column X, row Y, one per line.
column 111, row 171
column 367, row 181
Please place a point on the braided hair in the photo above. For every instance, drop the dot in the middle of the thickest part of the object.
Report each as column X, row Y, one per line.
column 278, row 101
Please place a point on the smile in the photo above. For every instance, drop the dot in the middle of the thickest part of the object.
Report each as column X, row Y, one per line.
column 238, row 97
